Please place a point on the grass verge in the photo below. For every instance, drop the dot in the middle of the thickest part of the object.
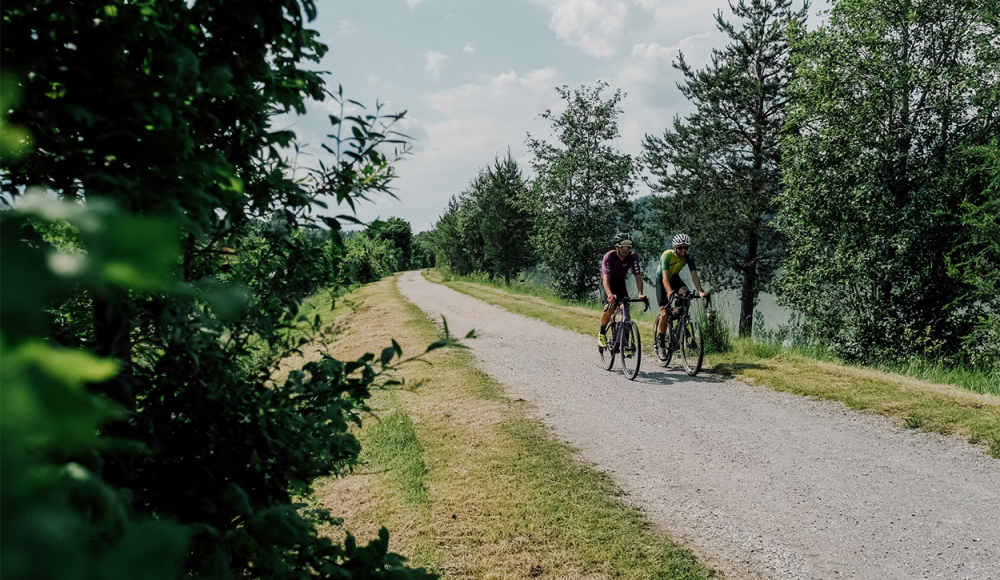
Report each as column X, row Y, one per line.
column 918, row 404
column 468, row 482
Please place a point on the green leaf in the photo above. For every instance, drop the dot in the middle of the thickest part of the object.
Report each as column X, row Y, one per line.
column 238, row 499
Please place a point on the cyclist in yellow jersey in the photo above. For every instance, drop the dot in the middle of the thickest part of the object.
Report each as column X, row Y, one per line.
column 668, row 281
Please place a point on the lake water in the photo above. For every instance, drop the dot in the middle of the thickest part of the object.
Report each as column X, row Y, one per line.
column 727, row 302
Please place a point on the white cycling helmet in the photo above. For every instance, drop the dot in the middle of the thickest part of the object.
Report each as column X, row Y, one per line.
column 682, row 240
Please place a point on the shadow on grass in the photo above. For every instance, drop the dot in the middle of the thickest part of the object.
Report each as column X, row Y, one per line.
column 730, row 369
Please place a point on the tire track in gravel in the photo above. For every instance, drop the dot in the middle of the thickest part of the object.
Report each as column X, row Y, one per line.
column 759, row 484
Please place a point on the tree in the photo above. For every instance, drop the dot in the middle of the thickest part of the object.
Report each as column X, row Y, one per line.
column 889, row 100
column 720, row 167
column 582, row 189
column 174, row 255
column 504, row 218
column 487, row 227
column 975, row 260
column 367, row 259
column 398, row 233
column 458, row 237
column 423, row 249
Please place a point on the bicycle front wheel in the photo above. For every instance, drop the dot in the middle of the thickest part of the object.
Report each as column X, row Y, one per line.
column 631, row 347
column 663, row 355
column 692, row 346
column 608, row 352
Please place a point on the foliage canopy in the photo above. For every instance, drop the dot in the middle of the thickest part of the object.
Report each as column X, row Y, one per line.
column 889, row 103
column 581, row 189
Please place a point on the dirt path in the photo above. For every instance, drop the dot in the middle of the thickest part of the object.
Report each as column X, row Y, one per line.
column 760, row 484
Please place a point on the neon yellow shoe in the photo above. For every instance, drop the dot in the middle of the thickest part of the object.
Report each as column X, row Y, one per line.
column 602, row 341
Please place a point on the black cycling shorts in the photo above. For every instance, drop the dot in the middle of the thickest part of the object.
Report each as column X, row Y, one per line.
column 618, row 288
column 661, row 291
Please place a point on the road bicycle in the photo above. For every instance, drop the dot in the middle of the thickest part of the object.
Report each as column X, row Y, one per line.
column 684, row 336
column 623, row 337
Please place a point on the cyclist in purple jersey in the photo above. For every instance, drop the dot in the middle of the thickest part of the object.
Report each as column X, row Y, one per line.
column 615, row 268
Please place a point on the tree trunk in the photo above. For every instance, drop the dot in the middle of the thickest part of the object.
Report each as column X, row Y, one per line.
column 748, row 295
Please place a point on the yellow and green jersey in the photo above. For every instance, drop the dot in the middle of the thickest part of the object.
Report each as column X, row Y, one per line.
column 672, row 263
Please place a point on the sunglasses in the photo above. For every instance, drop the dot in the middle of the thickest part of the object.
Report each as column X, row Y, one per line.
column 679, row 248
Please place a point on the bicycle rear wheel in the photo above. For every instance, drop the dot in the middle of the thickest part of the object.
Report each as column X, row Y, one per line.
column 631, row 348
column 608, row 352
column 663, row 355
column 692, row 346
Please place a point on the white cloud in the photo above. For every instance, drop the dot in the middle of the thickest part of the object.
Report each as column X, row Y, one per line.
column 469, row 48
column 345, row 27
column 461, row 130
column 412, row 3
column 435, row 63
column 609, row 28
column 593, row 26
column 650, row 62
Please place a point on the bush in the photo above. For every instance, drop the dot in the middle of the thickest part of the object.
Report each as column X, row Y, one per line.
column 718, row 337
column 367, row 260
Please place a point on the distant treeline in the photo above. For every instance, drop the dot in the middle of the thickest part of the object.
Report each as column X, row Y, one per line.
column 853, row 170
column 382, row 248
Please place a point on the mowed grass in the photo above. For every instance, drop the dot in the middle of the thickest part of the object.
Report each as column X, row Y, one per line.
column 469, row 482
column 916, row 403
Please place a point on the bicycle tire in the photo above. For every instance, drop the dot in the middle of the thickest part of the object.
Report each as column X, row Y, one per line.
column 663, row 355
column 631, row 349
column 608, row 352
column 692, row 346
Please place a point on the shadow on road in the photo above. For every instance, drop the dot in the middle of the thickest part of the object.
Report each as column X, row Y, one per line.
column 658, row 375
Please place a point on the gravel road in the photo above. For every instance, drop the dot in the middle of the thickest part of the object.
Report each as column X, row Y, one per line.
column 759, row 484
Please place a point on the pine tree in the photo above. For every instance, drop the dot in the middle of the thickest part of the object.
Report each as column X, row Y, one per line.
column 505, row 222
column 719, row 167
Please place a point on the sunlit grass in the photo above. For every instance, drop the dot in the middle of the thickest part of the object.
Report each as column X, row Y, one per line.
column 941, row 373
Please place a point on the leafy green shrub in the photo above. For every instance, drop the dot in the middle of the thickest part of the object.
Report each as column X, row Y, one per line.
column 718, row 336
column 367, row 260
column 137, row 440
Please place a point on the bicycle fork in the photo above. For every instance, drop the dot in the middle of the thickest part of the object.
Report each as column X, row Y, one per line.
column 627, row 347
column 618, row 331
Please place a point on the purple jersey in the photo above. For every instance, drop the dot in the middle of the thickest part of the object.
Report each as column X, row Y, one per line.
column 617, row 268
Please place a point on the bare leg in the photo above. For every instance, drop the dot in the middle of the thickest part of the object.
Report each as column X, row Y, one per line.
column 664, row 320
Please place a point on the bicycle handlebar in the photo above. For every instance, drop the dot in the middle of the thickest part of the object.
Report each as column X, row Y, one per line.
column 689, row 296
column 644, row 300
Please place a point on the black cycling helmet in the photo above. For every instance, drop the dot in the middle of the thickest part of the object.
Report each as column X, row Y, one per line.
column 623, row 239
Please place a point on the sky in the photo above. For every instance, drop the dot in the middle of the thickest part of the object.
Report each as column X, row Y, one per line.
column 474, row 76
